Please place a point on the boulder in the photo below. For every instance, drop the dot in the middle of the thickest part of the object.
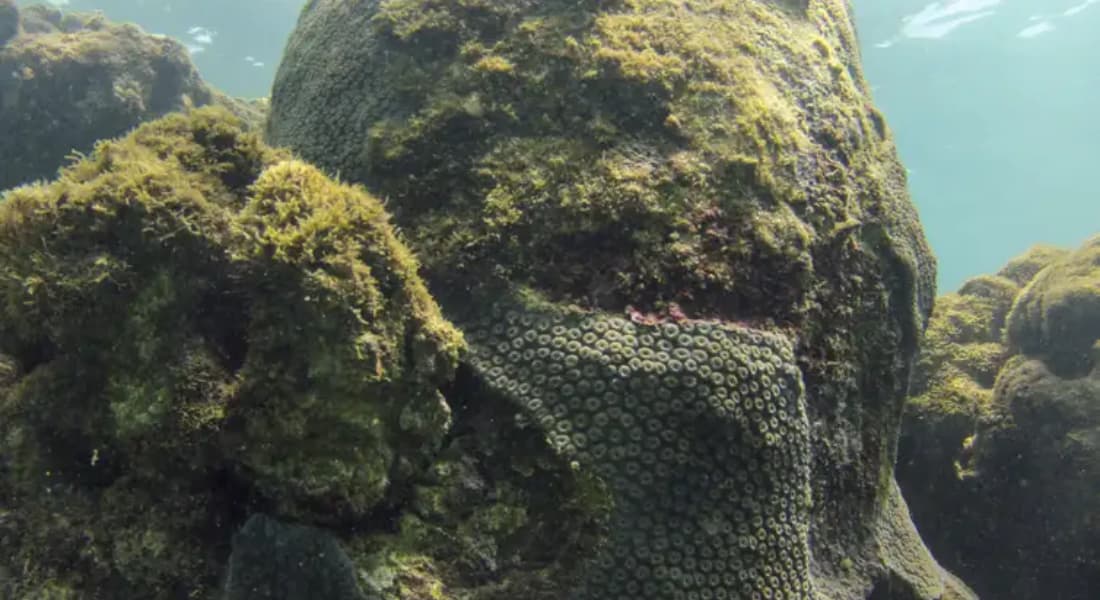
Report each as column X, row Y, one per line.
column 198, row 327
column 678, row 240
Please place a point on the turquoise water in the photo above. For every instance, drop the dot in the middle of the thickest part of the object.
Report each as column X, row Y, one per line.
column 236, row 44
column 991, row 101
column 993, row 106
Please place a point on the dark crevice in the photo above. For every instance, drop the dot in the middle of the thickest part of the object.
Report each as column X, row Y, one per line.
column 221, row 320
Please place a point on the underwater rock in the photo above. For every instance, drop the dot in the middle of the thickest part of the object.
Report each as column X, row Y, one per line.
column 200, row 327
column 1000, row 449
column 276, row 561
column 1057, row 316
column 73, row 78
column 711, row 164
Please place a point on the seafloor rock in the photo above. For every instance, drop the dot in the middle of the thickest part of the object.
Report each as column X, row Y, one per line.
column 196, row 328
column 71, row 79
column 1000, row 451
column 562, row 166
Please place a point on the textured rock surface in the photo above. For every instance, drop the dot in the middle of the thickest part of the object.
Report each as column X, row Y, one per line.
column 715, row 161
column 198, row 328
column 699, row 430
column 998, row 455
column 71, row 79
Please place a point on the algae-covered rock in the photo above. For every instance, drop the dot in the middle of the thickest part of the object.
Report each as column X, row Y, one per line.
column 200, row 327
column 1057, row 317
column 615, row 153
column 71, row 79
column 999, row 456
column 636, row 164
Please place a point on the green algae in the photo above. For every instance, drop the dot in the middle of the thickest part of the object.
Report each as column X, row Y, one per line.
column 659, row 142
column 199, row 324
column 500, row 514
column 1057, row 316
column 198, row 328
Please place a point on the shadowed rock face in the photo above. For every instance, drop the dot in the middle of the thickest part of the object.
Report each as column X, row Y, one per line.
column 709, row 163
column 999, row 454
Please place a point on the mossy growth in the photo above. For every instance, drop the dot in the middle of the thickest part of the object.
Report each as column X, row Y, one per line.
column 1031, row 488
column 1025, row 267
column 966, row 343
column 196, row 318
column 999, row 442
column 960, row 356
column 962, row 352
column 1057, row 316
column 606, row 153
column 73, row 78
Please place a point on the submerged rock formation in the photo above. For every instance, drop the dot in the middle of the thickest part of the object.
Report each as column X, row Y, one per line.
column 195, row 328
column 677, row 237
column 999, row 455
column 71, row 79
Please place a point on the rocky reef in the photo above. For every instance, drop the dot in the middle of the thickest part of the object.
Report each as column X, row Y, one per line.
column 620, row 301
column 998, row 455
column 678, row 240
column 196, row 327
column 71, row 79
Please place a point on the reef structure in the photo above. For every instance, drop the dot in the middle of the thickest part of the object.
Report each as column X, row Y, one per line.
column 698, row 429
column 561, row 162
column 998, row 454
